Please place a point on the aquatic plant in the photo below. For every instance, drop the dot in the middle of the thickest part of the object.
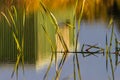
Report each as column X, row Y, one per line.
column 12, row 20
column 30, row 6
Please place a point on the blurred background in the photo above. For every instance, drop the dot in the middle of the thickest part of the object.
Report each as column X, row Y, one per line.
column 37, row 50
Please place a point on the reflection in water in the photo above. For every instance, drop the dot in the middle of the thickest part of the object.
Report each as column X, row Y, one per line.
column 95, row 10
column 98, row 10
column 64, row 29
column 90, row 34
column 44, row 58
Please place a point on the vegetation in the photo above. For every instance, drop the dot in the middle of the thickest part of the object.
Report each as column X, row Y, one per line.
column 17, row 25
column 75, row 57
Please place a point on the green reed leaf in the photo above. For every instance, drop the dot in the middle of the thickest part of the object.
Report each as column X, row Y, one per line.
column 79, row 22
column 82, row 49
column 74, row 14
column 116, row 51
column 16, row 65
column 78, row 67
column 110, row 22
column 70, row 26
column 17, row 73
column 24, row 15
column 49, row 66
column 62, row 61
column 22, row 52
column 77, row 36
column 110, row 57
column 17, row 42
column 6, row 19
column 107, row 52
column 53, row 48
column 15, row 11
column 49, row 39
column 13, row 21
column 91, row 53
column 74, row 67
column 53, row 19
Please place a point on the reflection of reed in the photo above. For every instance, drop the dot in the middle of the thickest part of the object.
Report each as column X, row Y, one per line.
column 98, row 9
column 44, row 58
column 64, row 29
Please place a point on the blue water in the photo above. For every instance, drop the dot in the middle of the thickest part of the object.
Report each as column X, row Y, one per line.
column 92, row 68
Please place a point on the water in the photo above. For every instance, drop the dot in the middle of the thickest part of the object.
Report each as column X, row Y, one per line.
column 92, row 68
